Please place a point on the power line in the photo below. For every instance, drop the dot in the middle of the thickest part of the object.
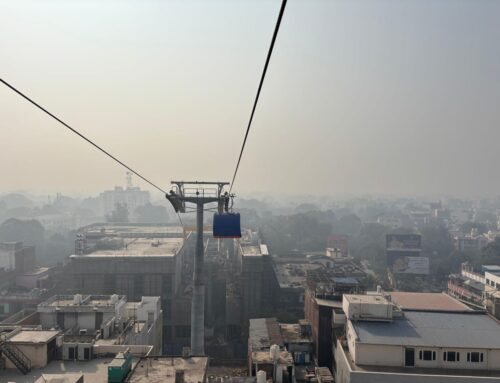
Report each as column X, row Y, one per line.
column 81, row 135
column 85, row 138
column 269, row 53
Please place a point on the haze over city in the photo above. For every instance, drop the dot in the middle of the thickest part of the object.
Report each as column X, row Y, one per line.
column 230, row 191
column 361, row 97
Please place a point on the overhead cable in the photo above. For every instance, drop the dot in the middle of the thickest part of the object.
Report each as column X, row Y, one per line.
column 83, row 137
column 269, row 53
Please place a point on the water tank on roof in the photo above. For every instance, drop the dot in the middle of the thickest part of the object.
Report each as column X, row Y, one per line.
column 77, row 299
column 226, row 225
column 274, row 352
column 261, row 376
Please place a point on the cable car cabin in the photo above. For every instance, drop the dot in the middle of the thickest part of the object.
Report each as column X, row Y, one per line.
column 227, row 225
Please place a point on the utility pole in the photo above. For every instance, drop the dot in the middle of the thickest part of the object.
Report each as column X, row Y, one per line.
column 199, row 194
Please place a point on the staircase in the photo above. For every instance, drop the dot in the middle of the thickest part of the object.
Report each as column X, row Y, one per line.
column 16, row 356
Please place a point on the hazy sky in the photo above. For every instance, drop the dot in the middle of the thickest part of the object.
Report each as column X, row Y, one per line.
column 372, row 96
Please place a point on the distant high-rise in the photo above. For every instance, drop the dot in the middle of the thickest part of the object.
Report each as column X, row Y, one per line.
column 132, row 196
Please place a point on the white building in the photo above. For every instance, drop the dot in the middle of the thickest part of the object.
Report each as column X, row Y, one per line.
column 96, row 320
column 16, row 257
column 388, row 345
column 133, row 197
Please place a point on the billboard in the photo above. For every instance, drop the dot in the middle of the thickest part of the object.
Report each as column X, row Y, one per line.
column 339, row 241
column 403, row 254
column 404, row 263
column 403, row 242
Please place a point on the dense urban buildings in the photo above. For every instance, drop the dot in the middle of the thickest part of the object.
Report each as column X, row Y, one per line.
column 384, row 343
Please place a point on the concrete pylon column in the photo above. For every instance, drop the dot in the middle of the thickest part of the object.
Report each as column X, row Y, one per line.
column 198, row 301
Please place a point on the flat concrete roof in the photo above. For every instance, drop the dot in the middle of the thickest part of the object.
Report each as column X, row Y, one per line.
column 26, row 336
column 162, row 370
column 140, row 247
column 251, row 250
column 293, row 275
column 427, row 301
column 362, row 298
column 94, row 371
column 131, row 229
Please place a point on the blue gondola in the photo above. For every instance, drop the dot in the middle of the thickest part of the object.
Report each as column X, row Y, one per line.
column 227, row 225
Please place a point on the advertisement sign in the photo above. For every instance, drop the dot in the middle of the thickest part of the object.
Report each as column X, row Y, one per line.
column 403, row 241
column 405, row 264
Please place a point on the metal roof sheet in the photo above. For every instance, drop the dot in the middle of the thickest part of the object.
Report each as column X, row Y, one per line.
column 433, row 329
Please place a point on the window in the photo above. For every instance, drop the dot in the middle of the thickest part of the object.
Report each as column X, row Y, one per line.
column 427, row 355
column 475, row 357
column 451, row 356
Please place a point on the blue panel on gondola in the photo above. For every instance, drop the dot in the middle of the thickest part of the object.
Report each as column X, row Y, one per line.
column 227, row 225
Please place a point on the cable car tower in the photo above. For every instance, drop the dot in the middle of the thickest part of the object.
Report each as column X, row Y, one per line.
column 199, row 194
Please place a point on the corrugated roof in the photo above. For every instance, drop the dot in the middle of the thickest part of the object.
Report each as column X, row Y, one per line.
column 433, row 329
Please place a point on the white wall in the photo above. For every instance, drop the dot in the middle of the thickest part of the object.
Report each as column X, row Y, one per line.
column 7, row 259
column 375, row 355
column 394, row 356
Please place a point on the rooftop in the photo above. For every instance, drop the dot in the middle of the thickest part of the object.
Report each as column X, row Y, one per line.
column 263, row 333
column 251, row 250
column 292, row 275
column 370, row 299
column 427, row 301
column 26, row 336
column 36, row 271
column 433, row 329
column 162, row 370
column 90, row 301
column 140, row 247
column 94, row 371
column 264, row 357
column 291, row 333
column 341, row 268
column 132, row 230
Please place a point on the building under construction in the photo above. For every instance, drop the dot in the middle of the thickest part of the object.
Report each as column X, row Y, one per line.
column 138, row 260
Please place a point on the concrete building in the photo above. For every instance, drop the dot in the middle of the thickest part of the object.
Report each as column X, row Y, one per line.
column 470, row 243
column 323, row 305
column 16, row 257
column 89, row 320
column 294, row 338
column 131, row 196
column 136, row 260
column 27, row 349
column 37, row 278
column 468, row 286
column 170, row 370
column 256, row 279
column 290, row 282
column 267, row 351
column 38, row 356
column 386, row 344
